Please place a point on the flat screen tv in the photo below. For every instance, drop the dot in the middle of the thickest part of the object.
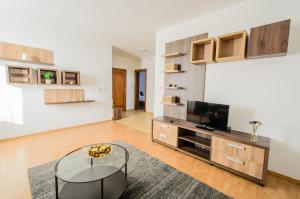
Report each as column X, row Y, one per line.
column 208, row 114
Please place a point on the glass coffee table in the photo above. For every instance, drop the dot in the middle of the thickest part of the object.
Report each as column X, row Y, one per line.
column 91, row 178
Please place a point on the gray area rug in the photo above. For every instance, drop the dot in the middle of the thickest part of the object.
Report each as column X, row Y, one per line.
column 147, row 178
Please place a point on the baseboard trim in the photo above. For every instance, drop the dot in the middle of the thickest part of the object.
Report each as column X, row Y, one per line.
column 54, row 130
column 284, row 177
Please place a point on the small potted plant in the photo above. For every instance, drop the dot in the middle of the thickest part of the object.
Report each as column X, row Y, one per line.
column 48, row 77
column 255, row 125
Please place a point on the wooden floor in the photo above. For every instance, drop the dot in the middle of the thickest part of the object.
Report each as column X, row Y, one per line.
column 17, row 155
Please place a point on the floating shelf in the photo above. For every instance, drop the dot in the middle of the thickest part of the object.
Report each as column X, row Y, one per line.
column 15, row 52
column 231, row 47
column 196, row 140
column 173, row 104
column 54, row 76
column 202, row 51
column 176, row 54
column 19, row 74
column 70, row 78
column 71, row 102
column 174, row 88
column 173, row 71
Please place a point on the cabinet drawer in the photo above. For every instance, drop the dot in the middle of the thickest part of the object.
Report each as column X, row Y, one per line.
column 239, row 150
column 245, row 166
column 165, row 133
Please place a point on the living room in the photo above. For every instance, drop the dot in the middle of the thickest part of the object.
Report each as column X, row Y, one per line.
column 221, row 104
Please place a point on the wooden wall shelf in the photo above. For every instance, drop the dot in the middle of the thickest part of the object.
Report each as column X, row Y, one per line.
column 269, row 40
column 173, row 104
column 19, row 74
column 72, row 102
column 55, row 76
column 63, row 96
column 231, row 47
column 174, row 88
column 171, row 55
column 70, row 78
column 203, row 51
column 15, row 52
column 173, row 71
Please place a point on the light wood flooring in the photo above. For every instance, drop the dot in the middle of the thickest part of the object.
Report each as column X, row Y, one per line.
column 17, row 155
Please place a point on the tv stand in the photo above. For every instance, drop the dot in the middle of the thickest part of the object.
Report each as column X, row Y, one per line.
column 202, row 126
column 230, row 151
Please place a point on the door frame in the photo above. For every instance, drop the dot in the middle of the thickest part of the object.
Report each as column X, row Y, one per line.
column 124, row 85
column 136, row 88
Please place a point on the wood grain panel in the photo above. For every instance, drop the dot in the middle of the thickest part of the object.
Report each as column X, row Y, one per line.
column 239, row 150
column 269, row 40
column 193, row 79
column 119, row 87
column 15, row 52
column 165, row 133
column 52, row 96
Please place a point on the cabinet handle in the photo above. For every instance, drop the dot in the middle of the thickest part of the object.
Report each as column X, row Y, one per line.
column 236, row 146
column 164, row 126
column 235, row 160
column 163, row 135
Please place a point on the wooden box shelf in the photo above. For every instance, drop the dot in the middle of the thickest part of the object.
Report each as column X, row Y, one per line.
column 202, row 51
column 19, row 74
column 175, row 54
column 269, row 40
column 71, row 78
column 15, row 52
column 55, row 76
column 231, row 47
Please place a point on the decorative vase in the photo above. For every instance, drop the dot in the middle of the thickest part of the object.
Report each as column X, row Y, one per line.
column 255, row 125
column 48, row 81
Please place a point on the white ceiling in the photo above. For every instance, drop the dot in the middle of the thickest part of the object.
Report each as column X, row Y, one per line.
column 131, row 24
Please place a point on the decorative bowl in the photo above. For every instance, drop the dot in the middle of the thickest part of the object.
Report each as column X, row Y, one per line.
column 97, row 151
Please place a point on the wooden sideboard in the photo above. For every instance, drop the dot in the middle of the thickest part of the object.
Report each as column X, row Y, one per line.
column 232, row 150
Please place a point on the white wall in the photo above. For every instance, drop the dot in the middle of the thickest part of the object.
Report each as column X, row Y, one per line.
column 130, row 64
column 149, row 63
column 76, row 47
column 261, row 89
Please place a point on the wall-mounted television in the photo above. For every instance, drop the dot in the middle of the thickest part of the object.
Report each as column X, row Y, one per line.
column 208, row 114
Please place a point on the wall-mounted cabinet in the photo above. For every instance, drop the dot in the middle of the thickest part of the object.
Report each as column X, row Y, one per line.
column 269, row 40
column 54, row 76
column 15, row 52
column 19, row 74
column 231, row 47
column 202, row 51
column 70, row 78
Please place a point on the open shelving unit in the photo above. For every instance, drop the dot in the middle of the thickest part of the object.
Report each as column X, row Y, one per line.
column 70, row 78
column 231, row 47
column 19, row 74
column 203, row 51
column 195, row 143
column 54, row 76
column 175, row 54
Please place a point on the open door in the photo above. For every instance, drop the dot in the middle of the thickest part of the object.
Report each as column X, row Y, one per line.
column 119, row 88
column 140, row 89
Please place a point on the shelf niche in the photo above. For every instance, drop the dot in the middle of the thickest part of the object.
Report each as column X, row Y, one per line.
column 70, row 78
column 55, row 76
column 203, row 51
column 19, row 74
column 231, row 47
column 16, row 52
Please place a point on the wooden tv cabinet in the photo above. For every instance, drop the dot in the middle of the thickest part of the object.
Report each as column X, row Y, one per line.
column 232, row 150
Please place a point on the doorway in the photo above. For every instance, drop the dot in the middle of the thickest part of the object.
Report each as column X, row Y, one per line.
column 119, row 88
column 140, row 85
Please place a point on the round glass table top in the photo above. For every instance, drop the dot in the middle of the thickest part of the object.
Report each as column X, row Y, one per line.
column 78, row 167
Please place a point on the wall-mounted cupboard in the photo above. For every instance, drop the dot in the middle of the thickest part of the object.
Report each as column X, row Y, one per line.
column 19, row 74
column 21, row 53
